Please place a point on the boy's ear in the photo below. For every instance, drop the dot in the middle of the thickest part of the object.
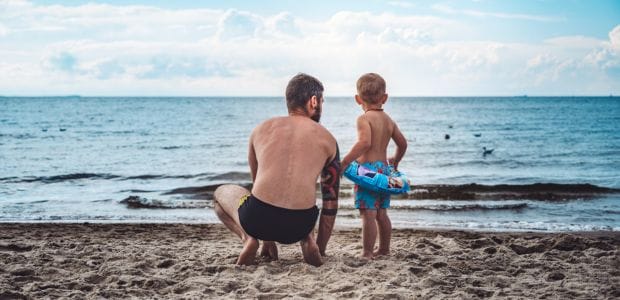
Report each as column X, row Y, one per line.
column 384, row 98
column 358, row 99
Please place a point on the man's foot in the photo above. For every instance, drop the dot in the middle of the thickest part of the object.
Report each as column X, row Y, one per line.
column 248, row 254
column 269, row 250
column 310, row 250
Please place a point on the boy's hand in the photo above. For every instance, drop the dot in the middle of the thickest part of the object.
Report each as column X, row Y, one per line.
column 343, row 166
column 393, row 162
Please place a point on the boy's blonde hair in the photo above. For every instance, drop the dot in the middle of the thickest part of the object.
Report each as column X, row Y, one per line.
column 371, row 88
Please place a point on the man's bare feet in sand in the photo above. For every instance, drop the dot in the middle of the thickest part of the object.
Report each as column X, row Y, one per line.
column 248, row 254
column 269, row 250
column 310, row 250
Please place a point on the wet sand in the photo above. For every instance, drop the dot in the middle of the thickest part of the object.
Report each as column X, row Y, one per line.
column 197, row 261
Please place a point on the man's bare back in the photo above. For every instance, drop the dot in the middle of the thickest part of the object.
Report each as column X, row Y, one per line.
column 279, row 149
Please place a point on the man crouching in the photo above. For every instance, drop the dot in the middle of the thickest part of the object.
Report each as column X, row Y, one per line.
column 286, row 156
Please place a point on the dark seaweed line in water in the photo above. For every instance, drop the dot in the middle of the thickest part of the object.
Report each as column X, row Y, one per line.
column 141, row 202
column 234, row 176
column 541, row 192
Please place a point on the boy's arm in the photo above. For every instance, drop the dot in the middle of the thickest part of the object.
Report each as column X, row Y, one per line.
column 330, row 187
column 364, row 135
column 401, row 147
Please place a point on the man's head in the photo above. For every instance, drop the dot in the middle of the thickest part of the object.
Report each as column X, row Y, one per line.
column 305, row 93
column 371, row 88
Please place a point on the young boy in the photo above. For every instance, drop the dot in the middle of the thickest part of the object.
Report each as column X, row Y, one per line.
column 375, row 129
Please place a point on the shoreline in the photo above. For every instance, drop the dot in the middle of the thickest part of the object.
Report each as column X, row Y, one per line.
column 89, row 261
column 337, row 227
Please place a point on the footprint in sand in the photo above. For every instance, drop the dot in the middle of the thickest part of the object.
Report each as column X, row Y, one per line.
column 490, row 250
column 166, row 264
column 555, row 276
column 354, row 262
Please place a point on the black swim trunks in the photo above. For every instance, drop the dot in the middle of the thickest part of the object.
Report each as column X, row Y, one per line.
column 266, row 222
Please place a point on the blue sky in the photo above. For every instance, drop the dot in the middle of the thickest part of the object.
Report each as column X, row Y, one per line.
column 252, row 48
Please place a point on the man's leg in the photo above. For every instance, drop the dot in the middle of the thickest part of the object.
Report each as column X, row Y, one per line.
column 310, row 250
column 269, row 250
column 369, row 231
column 385, row 232
column 226, row 203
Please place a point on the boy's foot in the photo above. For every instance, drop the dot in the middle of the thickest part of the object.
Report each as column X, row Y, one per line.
column 367, row 255
column 269, row 250
column 381, row 253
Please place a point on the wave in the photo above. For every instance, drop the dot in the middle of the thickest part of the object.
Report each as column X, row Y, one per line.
column 141, row 202
column 464, row 207
column 98, row 176
column 59, row 178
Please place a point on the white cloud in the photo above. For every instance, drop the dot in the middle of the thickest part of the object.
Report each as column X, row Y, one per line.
column 483, row 14
column 99, row 49
column 402, row 4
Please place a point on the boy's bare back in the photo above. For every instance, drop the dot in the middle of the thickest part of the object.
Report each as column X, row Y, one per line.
column 381, row 129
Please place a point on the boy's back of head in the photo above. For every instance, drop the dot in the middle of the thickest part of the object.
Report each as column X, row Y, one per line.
column 371, row 88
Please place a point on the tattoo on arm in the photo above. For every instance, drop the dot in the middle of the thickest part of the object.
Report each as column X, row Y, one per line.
column 330, row 185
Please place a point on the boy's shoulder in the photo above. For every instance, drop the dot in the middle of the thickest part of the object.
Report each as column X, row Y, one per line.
column 375, row 117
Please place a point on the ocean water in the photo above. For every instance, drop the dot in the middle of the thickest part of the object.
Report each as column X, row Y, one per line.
column 75, row 158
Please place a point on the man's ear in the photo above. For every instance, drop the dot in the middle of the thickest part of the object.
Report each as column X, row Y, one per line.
column 314, row 102
column 384, row 98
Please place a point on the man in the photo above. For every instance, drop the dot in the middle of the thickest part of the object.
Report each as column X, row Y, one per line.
column 286, row 156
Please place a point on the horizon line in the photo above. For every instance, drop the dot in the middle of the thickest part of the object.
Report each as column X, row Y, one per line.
column 281, row 96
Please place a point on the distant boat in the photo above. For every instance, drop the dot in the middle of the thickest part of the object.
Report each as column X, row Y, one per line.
column 486, row 151
column 477, row 134
column 62, row 129
column 447, row 136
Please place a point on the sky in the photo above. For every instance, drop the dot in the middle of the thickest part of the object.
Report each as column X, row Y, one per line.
column 252, row 48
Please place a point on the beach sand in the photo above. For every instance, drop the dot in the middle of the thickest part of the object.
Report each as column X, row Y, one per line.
column 197, row 261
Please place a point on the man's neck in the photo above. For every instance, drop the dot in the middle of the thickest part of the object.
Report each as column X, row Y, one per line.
column 298, row 113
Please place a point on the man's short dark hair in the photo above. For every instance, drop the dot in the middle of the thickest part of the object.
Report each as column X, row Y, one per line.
column 300, row 89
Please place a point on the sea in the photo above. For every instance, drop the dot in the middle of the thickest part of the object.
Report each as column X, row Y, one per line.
column 78, row 159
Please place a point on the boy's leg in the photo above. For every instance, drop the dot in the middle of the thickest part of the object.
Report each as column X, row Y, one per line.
column 385, row 232
column 369, row 232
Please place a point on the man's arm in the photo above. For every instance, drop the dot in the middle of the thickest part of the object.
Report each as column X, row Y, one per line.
column 330, row 187
column 252, row 161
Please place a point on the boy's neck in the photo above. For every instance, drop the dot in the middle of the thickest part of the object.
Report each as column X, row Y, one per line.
column 371, row 107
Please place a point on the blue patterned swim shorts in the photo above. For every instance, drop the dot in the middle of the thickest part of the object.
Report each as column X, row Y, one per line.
column 367, row 199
